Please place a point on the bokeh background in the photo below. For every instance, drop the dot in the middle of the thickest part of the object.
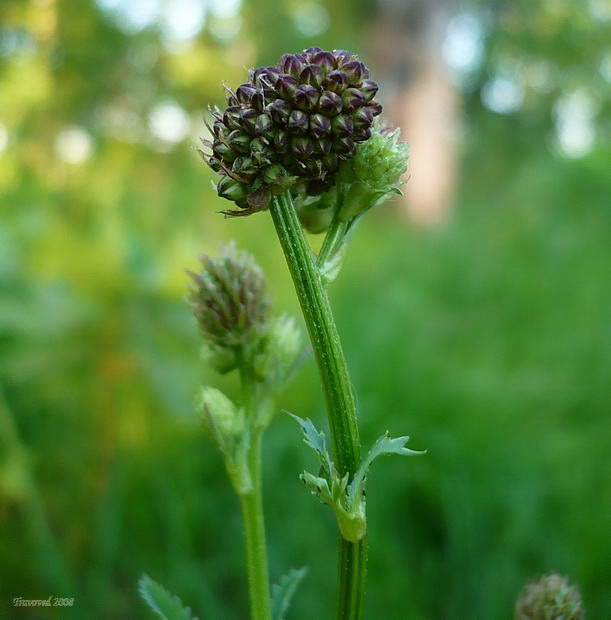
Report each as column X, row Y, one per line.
column 475, row 314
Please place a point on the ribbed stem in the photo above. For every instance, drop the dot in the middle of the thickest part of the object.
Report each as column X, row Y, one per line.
column 252, row 514
column 339, row 397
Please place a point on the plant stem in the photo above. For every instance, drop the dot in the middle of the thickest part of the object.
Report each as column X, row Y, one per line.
column 339, row 397
column 252, row 511
column 332, row 241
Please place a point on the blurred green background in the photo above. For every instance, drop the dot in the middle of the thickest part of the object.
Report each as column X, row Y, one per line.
column 475, row 316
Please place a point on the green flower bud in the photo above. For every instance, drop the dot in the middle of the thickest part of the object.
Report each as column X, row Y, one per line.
column 278, row 178
column 261, row 152
column 550, row 598
column 232, row 117
column 245, row 168
column 373, row 174
column 231, row 189
column 302, row 147
column 239, row 141
column 264, row 125
column 220, row 415
column 223, row 152
column 229, row 300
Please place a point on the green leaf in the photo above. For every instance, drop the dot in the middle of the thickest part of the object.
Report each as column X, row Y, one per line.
column 383, row 445
column 316, row 440
column 283, row 591
column 162, row 602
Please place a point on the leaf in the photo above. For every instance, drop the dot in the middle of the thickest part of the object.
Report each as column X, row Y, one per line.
column 331, row 268
column 162, row 602
column 383, row 445
column 316, row 440
column 283, row 591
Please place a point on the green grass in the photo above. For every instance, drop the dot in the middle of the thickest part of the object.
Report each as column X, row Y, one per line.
column 486, row 340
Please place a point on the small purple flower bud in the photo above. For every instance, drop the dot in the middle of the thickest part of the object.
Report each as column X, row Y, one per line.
column 292, row 64
column 258, row 99
column 245, row 92
column 248, row 119
column 266, row 76
column 341, row 57
column 282, row 141
column 239, row 141
column 302, row 147
column 342, row 125
column 322, row 146
column 324, row 60
column 279, row 110
column 355, row 70
column 330, row 103
column 286, row 86
column 298, row 122
column 336, row 81
column 360, row 135
column 263, row 125
column 311, row 51
column 232, row 117
column 375, row 107
column 343, row 146
column 352, row 98
column 306, row 97
column 362, row 117
column 319, row 125
column 269, row 94
column 369, row 88
column 313, row 75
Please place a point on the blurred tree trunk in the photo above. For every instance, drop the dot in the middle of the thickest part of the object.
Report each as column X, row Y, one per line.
column 406, row 47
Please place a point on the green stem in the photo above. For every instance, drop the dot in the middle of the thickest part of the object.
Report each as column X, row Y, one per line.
column 339, row 397
column 252, row 512
column 333, row 239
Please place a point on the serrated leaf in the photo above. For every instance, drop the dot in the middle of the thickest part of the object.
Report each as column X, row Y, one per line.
column 318, row 486
column 316, row 440
column 162, row 602
column 383, row 445
column 283, row 591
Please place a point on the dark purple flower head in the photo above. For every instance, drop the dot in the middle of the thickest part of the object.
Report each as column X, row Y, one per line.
column 294, row 122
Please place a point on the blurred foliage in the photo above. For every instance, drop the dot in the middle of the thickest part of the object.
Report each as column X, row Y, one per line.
column 486, row 339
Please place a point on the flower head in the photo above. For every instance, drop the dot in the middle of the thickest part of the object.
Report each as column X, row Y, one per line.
column 549, row 598
column 229, row 300
column 291, row 125
column 374, row 174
